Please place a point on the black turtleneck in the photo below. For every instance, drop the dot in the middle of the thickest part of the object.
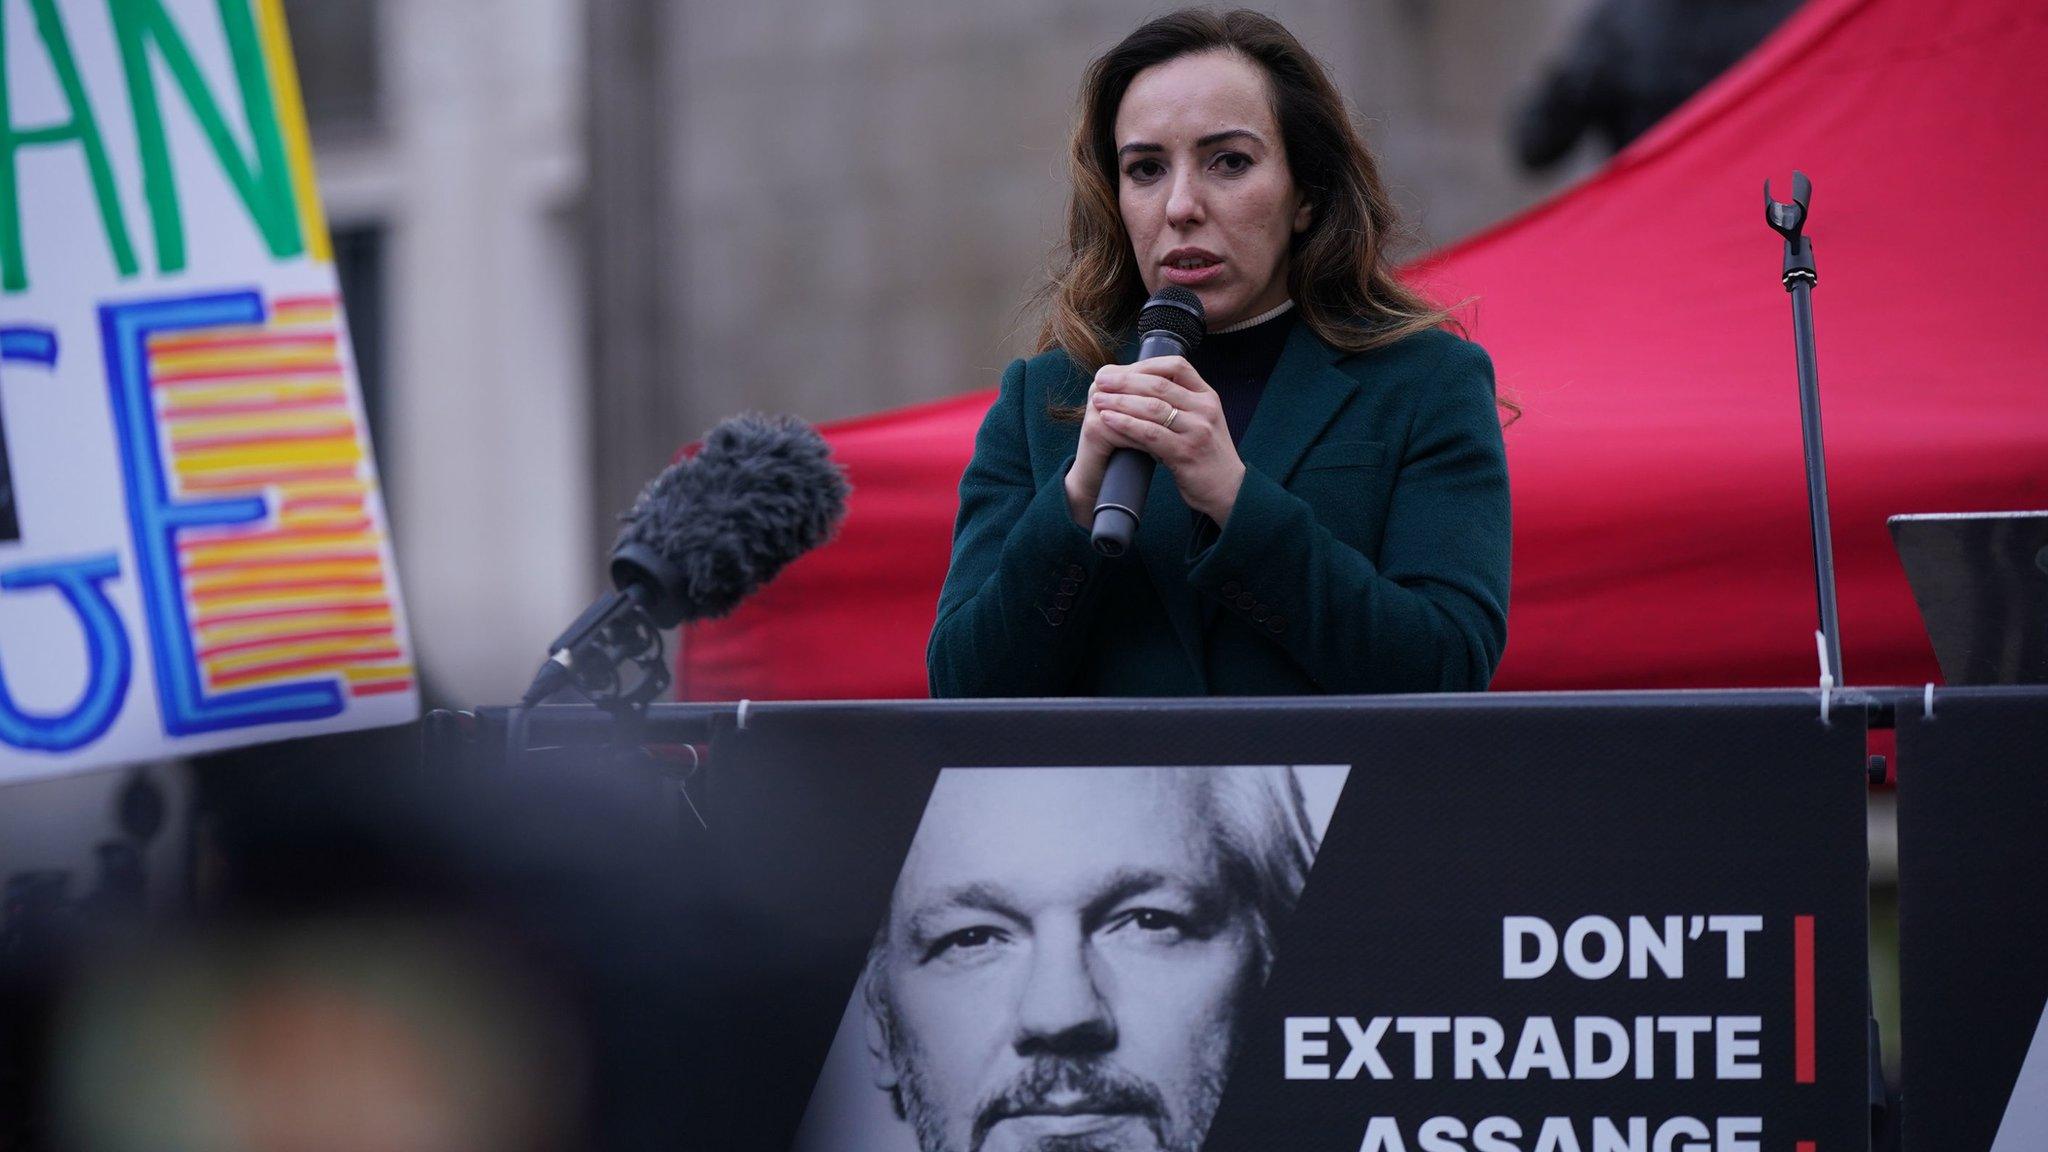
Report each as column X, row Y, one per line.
column 1236, row 365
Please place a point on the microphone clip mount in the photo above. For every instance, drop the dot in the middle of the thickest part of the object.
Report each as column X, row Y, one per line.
column 622, row 665
column 613, row 656
column 1789, row 221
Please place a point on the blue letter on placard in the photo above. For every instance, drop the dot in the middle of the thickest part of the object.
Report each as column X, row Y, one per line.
column 157, row 519
column 29, row 344
column 106, row 657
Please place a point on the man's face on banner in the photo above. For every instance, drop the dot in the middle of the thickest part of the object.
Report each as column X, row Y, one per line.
column 1063, row 963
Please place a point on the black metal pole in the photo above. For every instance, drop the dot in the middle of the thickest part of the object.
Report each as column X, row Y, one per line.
column 1816, row 474
column 1799, row 278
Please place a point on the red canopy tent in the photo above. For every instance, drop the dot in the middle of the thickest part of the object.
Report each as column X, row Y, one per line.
column 1661, row 533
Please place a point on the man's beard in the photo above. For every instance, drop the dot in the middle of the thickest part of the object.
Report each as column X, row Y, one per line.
column 1102, row 1087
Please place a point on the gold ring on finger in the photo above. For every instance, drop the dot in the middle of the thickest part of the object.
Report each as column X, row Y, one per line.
column 1172, row 414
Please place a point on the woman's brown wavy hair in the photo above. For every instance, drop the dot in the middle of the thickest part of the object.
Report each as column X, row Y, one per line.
column 1339, row 271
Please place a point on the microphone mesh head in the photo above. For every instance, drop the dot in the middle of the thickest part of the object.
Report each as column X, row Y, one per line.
column 762, row 491
column 1176, row 310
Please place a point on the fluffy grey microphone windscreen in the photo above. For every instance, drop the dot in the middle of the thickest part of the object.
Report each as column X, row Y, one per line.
column 762, row 491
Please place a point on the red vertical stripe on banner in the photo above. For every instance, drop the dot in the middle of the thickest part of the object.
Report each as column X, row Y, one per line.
column 1802, row 1003
column 1805, row 1146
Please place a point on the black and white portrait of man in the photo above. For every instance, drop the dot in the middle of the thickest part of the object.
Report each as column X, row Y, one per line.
column 1065, row 957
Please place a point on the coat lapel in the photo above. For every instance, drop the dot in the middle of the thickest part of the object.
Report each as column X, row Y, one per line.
column 1305, row 393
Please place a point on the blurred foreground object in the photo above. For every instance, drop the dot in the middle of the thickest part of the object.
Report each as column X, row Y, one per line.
column 358, row 1036
column 401, row 954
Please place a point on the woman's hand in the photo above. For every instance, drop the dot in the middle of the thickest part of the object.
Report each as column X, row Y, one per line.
column 1163, row 407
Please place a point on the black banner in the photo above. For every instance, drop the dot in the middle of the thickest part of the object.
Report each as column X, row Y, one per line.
column 1529, row 923
column 1973, row 920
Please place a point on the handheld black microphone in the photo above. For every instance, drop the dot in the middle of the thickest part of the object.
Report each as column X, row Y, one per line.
column 706, row 533
column 1170, row 324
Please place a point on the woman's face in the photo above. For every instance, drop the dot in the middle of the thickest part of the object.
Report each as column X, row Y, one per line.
column 1203, row 184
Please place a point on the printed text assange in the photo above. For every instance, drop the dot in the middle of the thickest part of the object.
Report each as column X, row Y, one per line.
column 1560, row 1134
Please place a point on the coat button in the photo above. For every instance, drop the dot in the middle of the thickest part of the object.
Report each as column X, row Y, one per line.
column 1054, row 617
column 1259, row 613
column 1246, row 600
column 1278, row 624
column 1064, row 600
column 1073, row 571
column 1232, row 589
column 1068, row 586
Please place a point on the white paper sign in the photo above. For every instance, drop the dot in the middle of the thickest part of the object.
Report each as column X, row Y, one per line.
column 193, row 548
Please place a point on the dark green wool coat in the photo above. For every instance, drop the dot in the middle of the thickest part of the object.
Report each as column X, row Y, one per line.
column 1367, row 552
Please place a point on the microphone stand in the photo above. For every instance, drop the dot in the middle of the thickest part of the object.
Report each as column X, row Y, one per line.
column 1799, row 278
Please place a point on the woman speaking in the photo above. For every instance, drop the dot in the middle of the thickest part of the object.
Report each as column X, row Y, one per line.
column 1330, row 513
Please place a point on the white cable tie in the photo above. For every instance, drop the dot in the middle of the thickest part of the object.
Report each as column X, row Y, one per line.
column 1927, row 702
column 744, row 706
column 1827, row 675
